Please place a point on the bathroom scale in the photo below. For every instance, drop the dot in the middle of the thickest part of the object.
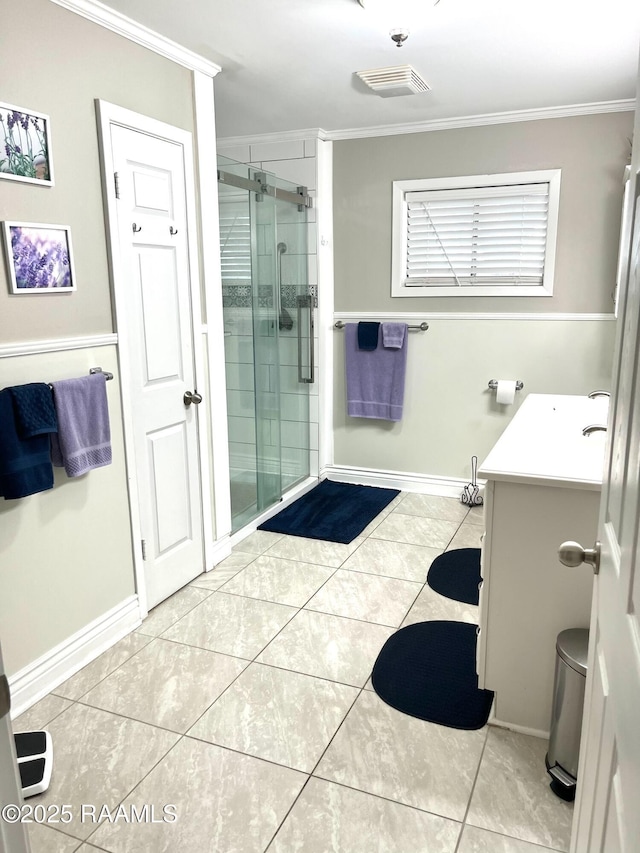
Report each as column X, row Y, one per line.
column 34, row 751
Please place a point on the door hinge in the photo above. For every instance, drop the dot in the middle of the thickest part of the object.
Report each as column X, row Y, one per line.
column 144, row 549
column 116, row 181
column 5, row 696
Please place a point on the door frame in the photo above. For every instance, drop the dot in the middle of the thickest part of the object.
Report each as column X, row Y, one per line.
column 110, row 114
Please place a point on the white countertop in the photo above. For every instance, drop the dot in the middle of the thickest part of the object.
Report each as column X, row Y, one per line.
column 544, row 445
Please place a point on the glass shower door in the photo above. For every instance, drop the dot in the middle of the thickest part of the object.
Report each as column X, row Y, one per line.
column 295, row 326
column 268, row 337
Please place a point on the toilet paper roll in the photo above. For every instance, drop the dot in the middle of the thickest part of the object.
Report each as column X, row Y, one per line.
column 506, row 391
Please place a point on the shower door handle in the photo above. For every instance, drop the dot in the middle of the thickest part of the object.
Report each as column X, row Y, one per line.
column 305, row 302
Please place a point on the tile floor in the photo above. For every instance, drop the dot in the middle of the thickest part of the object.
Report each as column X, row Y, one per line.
column 244, row 701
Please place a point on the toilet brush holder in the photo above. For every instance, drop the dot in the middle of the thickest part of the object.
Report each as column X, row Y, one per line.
column 471, row 493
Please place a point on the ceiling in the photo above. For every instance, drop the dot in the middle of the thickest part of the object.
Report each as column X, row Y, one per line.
column 290, row 64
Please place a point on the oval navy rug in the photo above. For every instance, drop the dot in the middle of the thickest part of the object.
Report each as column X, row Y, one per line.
column 456, row 574
column 428, row 670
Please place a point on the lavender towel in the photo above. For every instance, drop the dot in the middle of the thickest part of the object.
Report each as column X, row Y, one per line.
column 375, row 380
column 393, row 335
column 84, row 438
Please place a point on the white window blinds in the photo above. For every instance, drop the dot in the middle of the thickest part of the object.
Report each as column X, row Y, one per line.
column 477, row 236
column 235, row 242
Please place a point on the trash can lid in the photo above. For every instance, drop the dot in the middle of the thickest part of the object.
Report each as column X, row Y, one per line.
column 572, row 646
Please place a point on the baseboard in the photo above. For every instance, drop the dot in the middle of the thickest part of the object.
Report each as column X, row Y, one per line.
column 449, row 487
column 523, row 730
column 218, row 551
column 39, row 678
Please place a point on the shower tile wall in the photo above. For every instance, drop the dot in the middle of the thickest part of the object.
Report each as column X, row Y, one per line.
column 296, row 162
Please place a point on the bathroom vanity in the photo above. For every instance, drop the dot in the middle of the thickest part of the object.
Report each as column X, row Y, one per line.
column 543, row 487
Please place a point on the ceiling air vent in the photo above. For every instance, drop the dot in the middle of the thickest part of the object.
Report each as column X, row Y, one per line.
column 395, row 80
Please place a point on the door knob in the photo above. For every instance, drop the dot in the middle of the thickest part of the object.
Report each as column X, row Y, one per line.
column 572, row 554
column 192, row 397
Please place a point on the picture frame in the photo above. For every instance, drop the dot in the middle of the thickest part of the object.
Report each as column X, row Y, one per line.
column 39, row 258
column 25, row 146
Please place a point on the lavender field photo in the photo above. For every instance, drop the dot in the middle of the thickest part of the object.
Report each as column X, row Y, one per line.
column 38, row 257
column 25, row 146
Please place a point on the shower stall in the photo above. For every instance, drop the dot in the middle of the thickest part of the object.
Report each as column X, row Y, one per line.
column 269, row 335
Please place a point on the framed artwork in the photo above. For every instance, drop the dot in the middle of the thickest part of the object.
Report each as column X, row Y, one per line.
column 39, row 257
column 25, row 146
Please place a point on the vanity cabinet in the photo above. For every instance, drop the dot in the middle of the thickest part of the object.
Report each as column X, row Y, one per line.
column 543, row 487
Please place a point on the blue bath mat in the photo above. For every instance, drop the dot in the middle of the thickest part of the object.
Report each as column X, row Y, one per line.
column 335, row 512
column 456, row 574
column 428, row 671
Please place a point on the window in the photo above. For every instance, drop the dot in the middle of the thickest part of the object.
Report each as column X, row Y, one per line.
column 484, row 235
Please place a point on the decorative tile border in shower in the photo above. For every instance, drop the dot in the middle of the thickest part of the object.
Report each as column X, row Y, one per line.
column 240, row 296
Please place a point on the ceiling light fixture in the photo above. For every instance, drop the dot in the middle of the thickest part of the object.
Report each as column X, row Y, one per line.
column 399, row 36
column 398, row 11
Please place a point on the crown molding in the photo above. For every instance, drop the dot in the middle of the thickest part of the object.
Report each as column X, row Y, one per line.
column 100, row 14
column 262, row 138
column 486, row 119
column 539, row 114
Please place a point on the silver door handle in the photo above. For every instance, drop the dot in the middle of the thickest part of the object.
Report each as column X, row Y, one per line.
column 572, row 554
column 192, row 397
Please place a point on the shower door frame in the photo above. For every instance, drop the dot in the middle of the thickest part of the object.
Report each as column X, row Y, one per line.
column 259, row 188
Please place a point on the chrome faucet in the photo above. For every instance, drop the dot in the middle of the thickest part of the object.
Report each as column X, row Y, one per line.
column 594, row 428
column 595, row 394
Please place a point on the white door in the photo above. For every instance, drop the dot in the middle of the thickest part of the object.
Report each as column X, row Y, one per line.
column 607, row 814
column 153, row 252
column 13, row 837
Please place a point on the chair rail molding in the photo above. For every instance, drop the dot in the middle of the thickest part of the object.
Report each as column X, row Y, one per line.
column 57, row 345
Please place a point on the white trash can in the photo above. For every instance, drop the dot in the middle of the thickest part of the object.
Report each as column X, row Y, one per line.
column 566, row 716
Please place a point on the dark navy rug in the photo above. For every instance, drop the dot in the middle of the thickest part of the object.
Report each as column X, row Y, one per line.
column 336, row 512
column 428, row 670
column 456, row 574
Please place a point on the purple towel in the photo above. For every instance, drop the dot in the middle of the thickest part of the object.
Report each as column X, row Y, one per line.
column 84, row 438
column 375, row 380
column 393, row 335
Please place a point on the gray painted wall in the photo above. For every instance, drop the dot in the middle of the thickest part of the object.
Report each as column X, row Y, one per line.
column 590, row 150
column 57, row 63
column 66, row 554
column 449, row 413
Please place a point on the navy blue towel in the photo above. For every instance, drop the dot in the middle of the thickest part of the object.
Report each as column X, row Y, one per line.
column 34, row 409
column 368, row 335
column 25, row 463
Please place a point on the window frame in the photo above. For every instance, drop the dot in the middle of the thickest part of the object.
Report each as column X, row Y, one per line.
column 399, row 288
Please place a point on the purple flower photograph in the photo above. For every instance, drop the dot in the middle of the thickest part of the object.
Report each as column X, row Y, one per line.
column 38, row 257
column 25, row 146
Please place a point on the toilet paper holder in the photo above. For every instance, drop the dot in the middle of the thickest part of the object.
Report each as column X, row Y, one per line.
column 493, row 384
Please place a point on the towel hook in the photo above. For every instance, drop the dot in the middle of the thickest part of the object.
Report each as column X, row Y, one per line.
column 136, row 228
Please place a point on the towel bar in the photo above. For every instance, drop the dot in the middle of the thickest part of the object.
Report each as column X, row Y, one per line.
column 107, row 375
column 421, row 328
